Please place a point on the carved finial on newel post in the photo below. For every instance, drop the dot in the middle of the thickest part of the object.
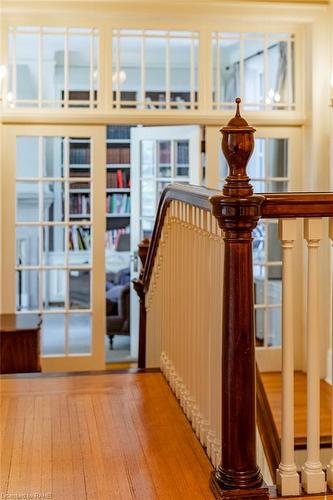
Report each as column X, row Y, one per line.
column 237, row 210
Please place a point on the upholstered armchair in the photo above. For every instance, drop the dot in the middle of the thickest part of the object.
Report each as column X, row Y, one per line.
column 118, row 311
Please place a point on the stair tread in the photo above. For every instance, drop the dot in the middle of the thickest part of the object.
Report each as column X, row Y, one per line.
column 272, row 383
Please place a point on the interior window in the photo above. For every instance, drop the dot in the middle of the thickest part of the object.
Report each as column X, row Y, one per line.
column 53, row 67
column 257, row 66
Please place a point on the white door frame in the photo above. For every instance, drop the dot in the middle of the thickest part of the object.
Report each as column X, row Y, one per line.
column 96, row 359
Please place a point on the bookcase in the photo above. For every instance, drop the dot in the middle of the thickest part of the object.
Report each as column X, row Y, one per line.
column 118, row 185
column 80, row 175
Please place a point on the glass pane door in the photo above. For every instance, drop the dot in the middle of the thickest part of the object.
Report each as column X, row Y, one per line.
column 159, row 156
column 56, row 243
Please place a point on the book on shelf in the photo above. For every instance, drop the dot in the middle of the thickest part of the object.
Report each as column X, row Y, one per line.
column 118, row 155
column 79, row 156
column 118, row 204
column 80, row 204
column 76, row 186
column 118, row 179
column 113, row 236
column 79, row 238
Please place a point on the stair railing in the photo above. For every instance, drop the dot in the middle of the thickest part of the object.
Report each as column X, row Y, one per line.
column 197, row 305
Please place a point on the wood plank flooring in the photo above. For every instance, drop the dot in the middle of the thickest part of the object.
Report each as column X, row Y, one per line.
column 99, row 437
column 272, row 383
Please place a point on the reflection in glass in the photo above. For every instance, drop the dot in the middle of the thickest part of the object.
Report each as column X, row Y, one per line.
column 164, row 156
column 229, row 54
column 27, row 246
column 79, row 63
column 277, row 186
column 259, row 243
column 260, row 326
column 27, row 290
column 53, row 71
column 27, row 161
column 180, row 71
column 256, row 165
column 182, row 158
column 155, row 74
column 26, row 66
column 79, row 333
column 79, row 244
column 274, row 244
column 53, row 201
column 259, row 285
column 274, row 291
column 277, row 152
column 53, row 334
column 274, row 326
column 147, row 158
column 54, row 245
column 79, row 289
column 54, row 286
column 127, row 78
column 148, row 202
column 277, row 54
column 27, row 202
column 53, row 157
column 253, row 74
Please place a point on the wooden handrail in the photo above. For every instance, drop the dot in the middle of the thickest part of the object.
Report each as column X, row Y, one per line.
column 293, row 205
column 186, row 193
column 274, row 206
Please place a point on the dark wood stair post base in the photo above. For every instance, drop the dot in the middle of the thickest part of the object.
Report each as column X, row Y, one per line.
column 259, row 493
column 238, row 210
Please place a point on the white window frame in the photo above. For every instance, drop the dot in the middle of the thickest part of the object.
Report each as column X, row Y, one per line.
column 65, row 33
column 204, row 114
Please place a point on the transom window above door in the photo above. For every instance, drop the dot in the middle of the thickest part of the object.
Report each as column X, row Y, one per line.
column 155, row 69
column 53, row 67
column 257, row 66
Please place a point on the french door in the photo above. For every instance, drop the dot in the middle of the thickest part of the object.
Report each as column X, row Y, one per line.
column 53, row 223
column 159, row 156
column 275, row 166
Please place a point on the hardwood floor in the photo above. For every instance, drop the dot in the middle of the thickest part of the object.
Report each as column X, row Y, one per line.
column 104, row 437
column 272, row 383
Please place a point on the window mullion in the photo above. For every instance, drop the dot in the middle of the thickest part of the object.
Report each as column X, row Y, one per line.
column 241, row 67
column 40, row 74
column 14, row 68
column 91, row 70
column 66, row 69
column 192, row 74
column 167, row 72
column 266, row 72
column 143, row 69
column 218, row 71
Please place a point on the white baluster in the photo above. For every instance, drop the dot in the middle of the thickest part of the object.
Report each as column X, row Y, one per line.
column 330, row 465
column 287, row 479
column 313, row 477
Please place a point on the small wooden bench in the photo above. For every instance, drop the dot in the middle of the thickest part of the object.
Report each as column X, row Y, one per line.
column 20, row 343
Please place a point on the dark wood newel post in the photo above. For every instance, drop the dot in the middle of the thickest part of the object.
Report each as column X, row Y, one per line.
column 139, row 288
column 237, row 210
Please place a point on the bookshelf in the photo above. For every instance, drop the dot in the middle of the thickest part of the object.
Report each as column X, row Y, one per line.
column 80, row 177
column 118, row 184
